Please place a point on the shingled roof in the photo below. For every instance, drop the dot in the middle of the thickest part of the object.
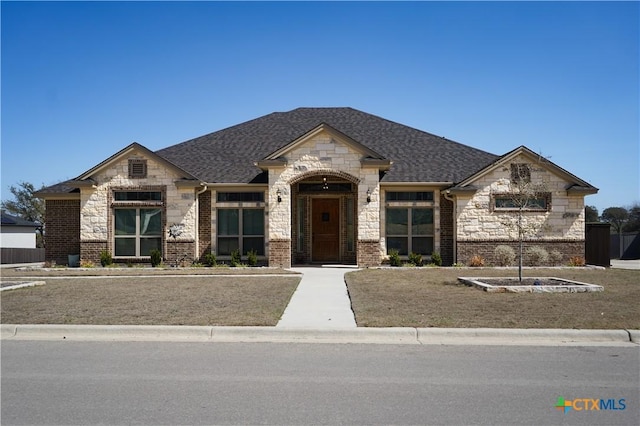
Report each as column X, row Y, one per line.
column 229, row 155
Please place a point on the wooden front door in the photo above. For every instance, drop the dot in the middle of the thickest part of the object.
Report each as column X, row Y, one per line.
column 325, row 232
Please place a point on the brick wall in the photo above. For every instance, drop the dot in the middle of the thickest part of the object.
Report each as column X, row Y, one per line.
column 90, row 250
column 183, row 251
column 280, row 253
column 204, row 223
column 485, row 249
column 446, row 231
column 369, row 253
column 62, row 234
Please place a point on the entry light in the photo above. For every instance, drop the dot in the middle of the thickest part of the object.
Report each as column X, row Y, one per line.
column 368, row 195
column 279, row 194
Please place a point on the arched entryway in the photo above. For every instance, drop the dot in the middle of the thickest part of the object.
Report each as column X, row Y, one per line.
column 324, row 219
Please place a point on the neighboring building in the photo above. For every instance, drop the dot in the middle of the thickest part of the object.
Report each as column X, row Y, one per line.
column 17, row 233
column 312, row 185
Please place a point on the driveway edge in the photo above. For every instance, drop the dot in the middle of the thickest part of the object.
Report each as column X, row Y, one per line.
column 393, row 335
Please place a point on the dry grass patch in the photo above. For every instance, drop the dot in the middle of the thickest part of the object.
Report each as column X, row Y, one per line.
column 209, row 300
column 433, row 297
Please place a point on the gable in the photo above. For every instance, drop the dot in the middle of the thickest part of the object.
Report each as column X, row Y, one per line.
column 136, row 157
column 336, row 137
column 523, row 155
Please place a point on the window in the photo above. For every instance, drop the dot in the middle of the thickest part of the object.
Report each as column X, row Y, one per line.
column 240, row 229
column 301, row 223
column 137, row 196
column 238, row 197
column 514, row 202
column 137, row 168
column 520, row 172
column 410, row 230
column 137, row 231
column 350, row 225
column 410, row 196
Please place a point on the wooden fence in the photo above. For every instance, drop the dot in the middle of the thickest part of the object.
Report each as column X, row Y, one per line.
column 21, row 255
column 625, row 246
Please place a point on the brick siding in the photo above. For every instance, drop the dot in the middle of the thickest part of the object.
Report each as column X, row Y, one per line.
column 485, row 249
column 446, row 231
column 369, row 253
column 62, row 233
column 280, row 253
column 204, row 223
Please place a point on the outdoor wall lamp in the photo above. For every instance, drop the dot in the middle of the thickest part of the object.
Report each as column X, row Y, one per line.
column 279, row 194
column 368, row 195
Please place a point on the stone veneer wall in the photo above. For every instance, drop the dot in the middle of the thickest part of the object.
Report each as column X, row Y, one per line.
column 478, row 221
column 204, row 223
column 481, row 228
column 96, row 210
column 485, row 249
column 63, row 230
column 280, row 253
column 446, row 231
column 321, row 155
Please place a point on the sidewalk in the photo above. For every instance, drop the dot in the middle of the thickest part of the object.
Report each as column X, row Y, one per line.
column 320, row 301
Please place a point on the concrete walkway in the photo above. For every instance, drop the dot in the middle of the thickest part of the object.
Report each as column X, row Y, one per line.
column 321, row 300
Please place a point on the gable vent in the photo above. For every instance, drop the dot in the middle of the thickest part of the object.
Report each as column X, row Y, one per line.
column 137, row 168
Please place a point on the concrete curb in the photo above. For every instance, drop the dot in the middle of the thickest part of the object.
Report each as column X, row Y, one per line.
column 22, row 284
column 395, row 335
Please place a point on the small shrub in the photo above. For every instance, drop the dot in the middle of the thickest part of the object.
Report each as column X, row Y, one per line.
column 252, row 257
column 436, row 259
column 209, row 260
column 537, row 256
column 476, row 261
column 504, row 255
column 577, row 261
column 555, row 257
column 236, row 259
column 394, row 258
column 87, row 264
column 415, row 259
column 105, row 258
column 408, row 265
column 156, row 257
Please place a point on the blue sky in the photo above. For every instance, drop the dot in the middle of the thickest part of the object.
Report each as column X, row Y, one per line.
column 82, row 80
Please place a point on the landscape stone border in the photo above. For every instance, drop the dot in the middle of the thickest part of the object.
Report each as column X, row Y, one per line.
column 570, row 287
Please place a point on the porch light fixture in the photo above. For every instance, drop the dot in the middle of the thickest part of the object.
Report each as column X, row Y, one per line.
column 279, row 194
column 368, row 195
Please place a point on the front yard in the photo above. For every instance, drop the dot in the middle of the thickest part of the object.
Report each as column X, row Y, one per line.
column 433, row 297
column 398, row 297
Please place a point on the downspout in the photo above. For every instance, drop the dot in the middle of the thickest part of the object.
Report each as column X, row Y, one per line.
column 197, row 227
column 447, row 196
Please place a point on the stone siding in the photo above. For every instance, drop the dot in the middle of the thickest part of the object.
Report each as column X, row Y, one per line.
column 485, row 249
column 62, row 230
column 96, row 212
column 323, row 155
column 479, row 221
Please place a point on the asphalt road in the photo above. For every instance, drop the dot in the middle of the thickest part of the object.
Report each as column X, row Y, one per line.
column 45, row 382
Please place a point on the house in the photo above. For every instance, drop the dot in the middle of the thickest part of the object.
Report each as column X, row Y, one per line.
column 311, row 185
column 16, row 232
